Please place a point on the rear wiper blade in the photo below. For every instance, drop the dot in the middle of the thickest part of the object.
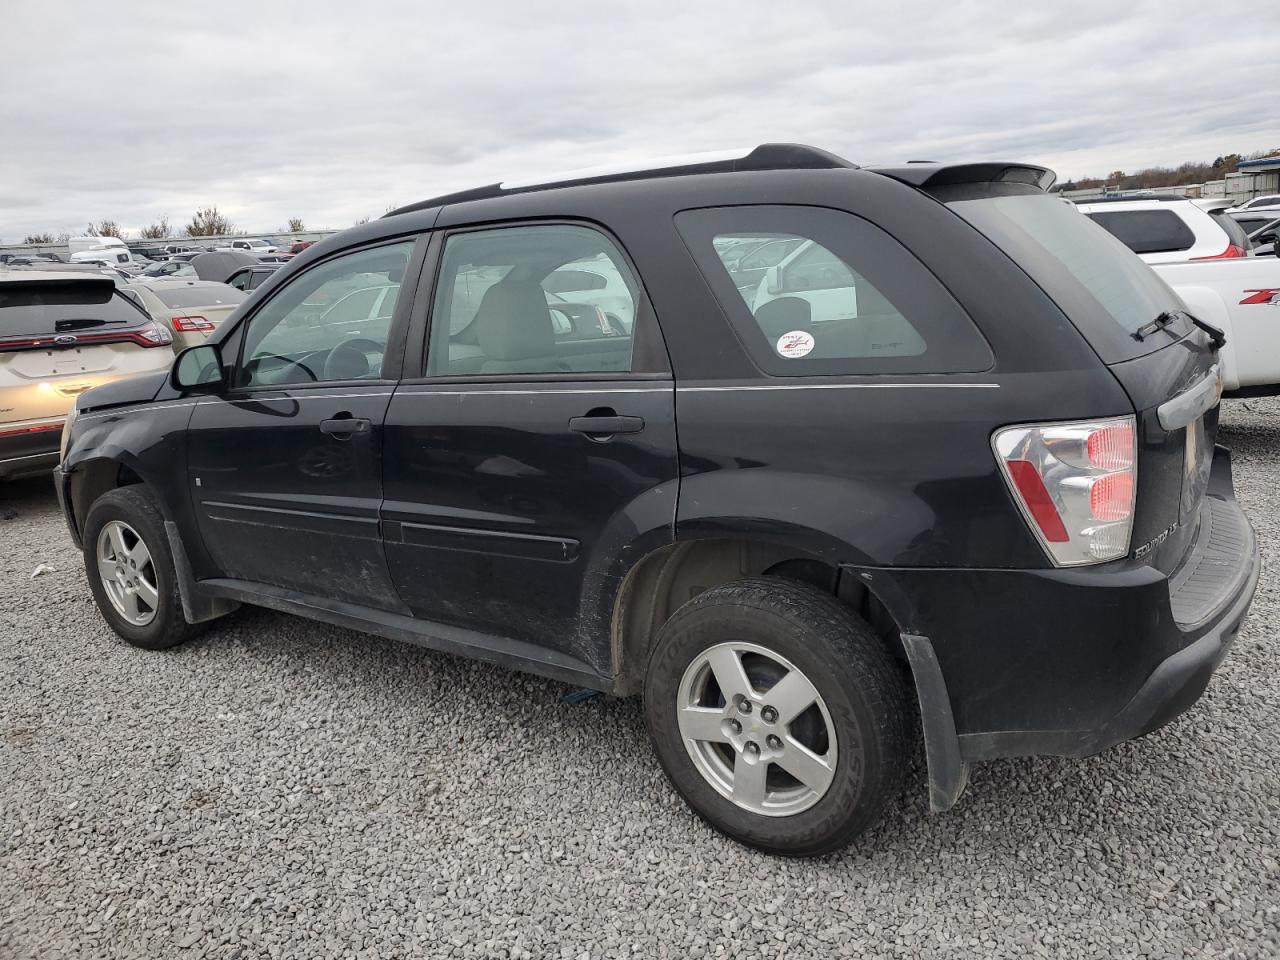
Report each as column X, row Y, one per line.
column 78, row 323
column 1217, row 337
column 1161, row 321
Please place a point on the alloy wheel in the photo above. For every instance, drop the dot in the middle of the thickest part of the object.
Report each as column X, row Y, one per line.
column 128, row 573
column 757, row 729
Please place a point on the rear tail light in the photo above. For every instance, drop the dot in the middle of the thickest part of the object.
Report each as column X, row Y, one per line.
column 1230, row 253
column 1075, row 484
column 152, row 335
column 192, row 324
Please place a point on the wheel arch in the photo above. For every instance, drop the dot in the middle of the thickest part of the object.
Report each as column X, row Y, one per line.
column 669, row 576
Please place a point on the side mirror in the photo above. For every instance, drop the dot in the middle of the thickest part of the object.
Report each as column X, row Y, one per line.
column 773, row 281
column 199, row 370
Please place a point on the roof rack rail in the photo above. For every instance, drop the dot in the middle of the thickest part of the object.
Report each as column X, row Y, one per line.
column 767, row 156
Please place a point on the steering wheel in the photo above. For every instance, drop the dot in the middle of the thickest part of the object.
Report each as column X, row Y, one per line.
column 349, row 360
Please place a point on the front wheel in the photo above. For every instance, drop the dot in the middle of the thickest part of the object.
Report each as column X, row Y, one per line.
column 778, row 715
column 130, row 570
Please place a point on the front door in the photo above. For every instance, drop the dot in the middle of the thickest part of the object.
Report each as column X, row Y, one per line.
column 285, row 469
column 536, row 458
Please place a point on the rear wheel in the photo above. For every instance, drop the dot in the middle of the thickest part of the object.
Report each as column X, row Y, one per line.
column 130, row 570
column 778, row 715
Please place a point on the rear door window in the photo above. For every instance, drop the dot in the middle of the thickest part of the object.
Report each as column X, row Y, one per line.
column 1146, row 231
column 839, row 295
column 514, row 300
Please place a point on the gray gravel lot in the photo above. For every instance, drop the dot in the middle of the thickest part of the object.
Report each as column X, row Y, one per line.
column 279, row 788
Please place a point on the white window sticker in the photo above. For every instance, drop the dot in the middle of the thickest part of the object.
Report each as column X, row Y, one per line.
column 795, row 344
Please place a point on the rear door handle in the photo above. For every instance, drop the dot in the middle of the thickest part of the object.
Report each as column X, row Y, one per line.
column 605, row 426
column 342, row 428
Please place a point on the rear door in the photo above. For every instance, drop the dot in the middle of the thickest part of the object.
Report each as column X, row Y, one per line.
column 530, row 459
column 285, row 468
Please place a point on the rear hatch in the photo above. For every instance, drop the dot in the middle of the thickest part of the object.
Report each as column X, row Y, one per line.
column 61, row 335
column 1140, row 329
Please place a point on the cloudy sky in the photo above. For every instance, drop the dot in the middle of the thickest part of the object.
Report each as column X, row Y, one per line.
column 333, row 111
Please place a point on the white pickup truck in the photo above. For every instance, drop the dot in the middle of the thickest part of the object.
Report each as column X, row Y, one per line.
column 1242, row 297
column 1207, row 258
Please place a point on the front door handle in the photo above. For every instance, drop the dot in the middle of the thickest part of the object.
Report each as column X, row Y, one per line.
column 343, row 428
column 605, row 425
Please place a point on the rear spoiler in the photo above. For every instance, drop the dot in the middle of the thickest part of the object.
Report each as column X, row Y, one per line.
column 921, row 174
column 103, row 283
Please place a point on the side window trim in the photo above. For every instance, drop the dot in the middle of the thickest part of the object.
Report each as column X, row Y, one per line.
column 649, row 357
column 393, row 359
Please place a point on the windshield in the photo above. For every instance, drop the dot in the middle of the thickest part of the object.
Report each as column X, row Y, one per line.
column 1106, row 290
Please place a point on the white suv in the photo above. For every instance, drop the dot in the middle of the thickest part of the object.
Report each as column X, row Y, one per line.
column 1168, row 229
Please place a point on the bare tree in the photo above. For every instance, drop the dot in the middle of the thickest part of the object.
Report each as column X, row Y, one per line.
column 159, row 230
column 361, row 220
column 209, row 223
column 105, row 228
column 296, row 225
column 39, row 238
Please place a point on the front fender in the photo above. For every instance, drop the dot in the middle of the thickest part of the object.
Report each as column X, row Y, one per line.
column 146, row 442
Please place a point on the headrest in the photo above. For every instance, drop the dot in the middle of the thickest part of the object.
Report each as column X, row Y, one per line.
column 784, row 315
column 514, row 323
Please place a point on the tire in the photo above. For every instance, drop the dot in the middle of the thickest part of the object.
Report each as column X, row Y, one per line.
column 132, row 511
column 772, row 627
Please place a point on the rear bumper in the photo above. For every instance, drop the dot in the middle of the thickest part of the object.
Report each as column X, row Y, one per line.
column 1071, row 662
column 29, row 453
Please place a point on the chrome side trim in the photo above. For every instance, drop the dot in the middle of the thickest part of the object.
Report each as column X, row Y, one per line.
column 844, row 386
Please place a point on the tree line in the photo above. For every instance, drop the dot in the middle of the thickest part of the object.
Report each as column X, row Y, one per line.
column 1182, row 175
column 206, row 222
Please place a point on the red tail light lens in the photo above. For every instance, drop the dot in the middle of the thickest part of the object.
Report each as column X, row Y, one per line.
column 150, row 334
column 1074, row 482
column 192, row 324
column 1230, row 253
column 1111, row 448
column 1111, row 496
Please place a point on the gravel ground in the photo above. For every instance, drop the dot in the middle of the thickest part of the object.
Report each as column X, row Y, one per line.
column 279, row 788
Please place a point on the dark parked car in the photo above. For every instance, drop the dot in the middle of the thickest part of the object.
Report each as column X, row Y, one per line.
column 250, row 278
column 986, row 481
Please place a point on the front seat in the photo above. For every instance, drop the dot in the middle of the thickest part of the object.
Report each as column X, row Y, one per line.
column 514, row 329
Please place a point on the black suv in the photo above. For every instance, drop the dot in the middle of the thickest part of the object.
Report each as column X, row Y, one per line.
column 955, row 446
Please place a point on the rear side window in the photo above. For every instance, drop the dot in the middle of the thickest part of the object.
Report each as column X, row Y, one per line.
column 1147, row 231
column 811, row 291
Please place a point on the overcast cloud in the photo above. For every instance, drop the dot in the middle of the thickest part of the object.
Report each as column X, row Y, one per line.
column 332, row 111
